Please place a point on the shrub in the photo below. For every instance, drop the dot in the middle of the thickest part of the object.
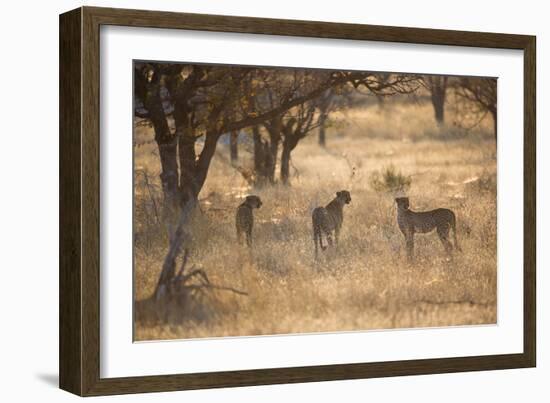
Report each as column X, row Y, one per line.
column 390, row 180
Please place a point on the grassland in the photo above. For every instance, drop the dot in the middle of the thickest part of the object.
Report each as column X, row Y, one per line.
column 365, row 284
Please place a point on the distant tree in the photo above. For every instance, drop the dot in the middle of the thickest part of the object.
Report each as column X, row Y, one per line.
column 481, row 93
column 300, row 121
column 332, row 100
column 324, row 106
column 264, row 162
column 437, row 87
column 273, row 128
column 276, row 87
column 267, row 90
column 234, row 146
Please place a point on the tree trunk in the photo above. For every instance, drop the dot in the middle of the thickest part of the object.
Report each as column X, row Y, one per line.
column 285, row 164
column 274, row 129
column 204, row 160
column 381, row 102
column 324, row 107
column 167, row 145
column 289, row 144
column 261, row 158
column 169, row 172
column 438, row 92
column 187, row 161
column 438, row 102
column 271, row 161
column 322, row 129
column 233, row 146
column 258, row 150
column 177, row 239
column 196, row 170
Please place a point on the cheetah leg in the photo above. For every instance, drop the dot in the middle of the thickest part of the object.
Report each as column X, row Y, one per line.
column 323, row 247
column 329, row 239
column 443, row 232
column 317, row 240
column 249, row 238
column 410, row 246
column 239, row 236
column 315, row 243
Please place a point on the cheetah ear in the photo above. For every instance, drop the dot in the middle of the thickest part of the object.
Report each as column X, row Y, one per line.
column 338, row 193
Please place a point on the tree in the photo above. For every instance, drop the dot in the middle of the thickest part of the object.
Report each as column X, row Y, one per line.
column 437, row 87
column 324, row 105
column 380, row 85
column 234, row 146
column 299, row 123
column 205, row 102
column 332, row 100
column 262, row 160
column 290, row 126
column 383, row 84
column 302, row 119
column 273, row 127
column 276, row 87
column 481, row 92
column 187, row 97
column 147, row 89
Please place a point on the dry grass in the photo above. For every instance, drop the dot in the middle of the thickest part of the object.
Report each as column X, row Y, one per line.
column 367, row 283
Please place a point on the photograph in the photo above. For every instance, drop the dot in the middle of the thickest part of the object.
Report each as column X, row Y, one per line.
column 273, row 200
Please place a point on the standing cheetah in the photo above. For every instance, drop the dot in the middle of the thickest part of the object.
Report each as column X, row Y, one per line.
column 411, row 222
column 244, row 219
column 328, row 219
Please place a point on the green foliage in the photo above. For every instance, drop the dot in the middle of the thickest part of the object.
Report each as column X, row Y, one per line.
column 390, row 180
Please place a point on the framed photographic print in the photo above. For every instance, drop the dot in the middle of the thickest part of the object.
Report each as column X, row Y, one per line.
column 249, row 201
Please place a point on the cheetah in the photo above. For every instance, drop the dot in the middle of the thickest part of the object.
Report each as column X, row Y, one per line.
column 244, row 219
column 329, row 219
column 411, row 222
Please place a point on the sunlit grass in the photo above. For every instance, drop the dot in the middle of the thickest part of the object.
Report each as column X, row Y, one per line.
column 367, row 283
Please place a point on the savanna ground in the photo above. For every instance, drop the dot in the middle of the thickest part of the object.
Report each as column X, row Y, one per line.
column 365, row 284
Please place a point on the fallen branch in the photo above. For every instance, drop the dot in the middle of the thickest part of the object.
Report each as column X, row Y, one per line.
column 178, row 285
column 201, row 287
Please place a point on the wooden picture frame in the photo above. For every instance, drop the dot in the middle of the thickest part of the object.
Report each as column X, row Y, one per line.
column 80, row 185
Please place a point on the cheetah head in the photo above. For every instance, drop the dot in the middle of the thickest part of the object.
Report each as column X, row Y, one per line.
column 253, row 201
column 344, row 195
column 402, row 203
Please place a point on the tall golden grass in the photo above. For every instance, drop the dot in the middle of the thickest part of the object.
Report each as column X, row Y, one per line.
column 366, row 283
